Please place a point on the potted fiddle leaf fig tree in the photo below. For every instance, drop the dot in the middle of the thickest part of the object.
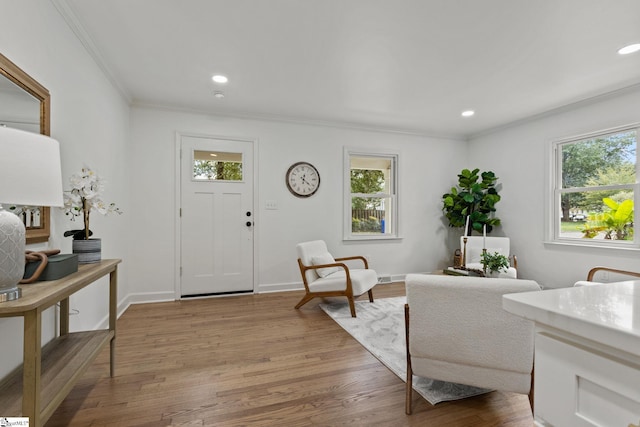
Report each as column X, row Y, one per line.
column 83, row 198
column 475, row 197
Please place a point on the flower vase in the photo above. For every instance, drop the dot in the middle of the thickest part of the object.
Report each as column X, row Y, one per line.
column 88, row 251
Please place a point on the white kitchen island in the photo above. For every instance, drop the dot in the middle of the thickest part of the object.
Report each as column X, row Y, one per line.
column 587, row 353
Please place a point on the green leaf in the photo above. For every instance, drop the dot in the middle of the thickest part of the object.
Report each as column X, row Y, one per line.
column 624, row 212
column 612, row 204
column 448, row 201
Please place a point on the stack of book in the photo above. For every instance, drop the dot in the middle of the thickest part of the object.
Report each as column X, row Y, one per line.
column 463, row 271
column 456, row 271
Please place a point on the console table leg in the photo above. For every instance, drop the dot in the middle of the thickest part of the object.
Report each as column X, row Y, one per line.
column 64, row 317
column 113, row 316
column 32, row 366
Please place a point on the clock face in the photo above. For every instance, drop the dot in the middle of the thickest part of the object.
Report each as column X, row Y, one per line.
column 303, row 179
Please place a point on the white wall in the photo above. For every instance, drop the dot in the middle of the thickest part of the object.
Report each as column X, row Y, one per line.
column 136, row 154
column 428, row 167
column 519, row 156
column 91, row 121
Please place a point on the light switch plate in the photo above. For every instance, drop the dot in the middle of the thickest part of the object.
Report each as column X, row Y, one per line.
column 270, row 205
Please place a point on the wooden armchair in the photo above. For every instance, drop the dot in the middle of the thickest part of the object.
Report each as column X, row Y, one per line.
column 592, row 274
column 457, row 331
column 324, row 276
column 474, row 247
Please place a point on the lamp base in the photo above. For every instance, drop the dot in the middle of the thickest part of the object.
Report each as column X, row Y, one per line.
column 10, row 294
column 12, row 242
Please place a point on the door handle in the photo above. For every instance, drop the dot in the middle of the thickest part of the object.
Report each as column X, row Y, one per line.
column 249, row 223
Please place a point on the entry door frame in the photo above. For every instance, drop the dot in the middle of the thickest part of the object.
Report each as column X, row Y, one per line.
column 178, row 197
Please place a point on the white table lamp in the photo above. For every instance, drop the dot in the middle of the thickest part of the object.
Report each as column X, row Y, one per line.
column 29, row 175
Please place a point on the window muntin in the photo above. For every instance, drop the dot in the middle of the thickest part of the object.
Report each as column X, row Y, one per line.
column 370, row 195
column 596, row 186
column 216, row 166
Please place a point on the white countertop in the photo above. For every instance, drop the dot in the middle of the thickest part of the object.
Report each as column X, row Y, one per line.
column 607, row 313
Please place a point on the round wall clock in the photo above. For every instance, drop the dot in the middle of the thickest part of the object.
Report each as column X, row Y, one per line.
column 303, row 179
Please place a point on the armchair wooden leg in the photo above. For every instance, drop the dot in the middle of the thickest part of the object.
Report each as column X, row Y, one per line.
column 409, row 383
column 305, row 299
column 370, row 295
column 531, row 390
column 409, row 391
column 352, row 306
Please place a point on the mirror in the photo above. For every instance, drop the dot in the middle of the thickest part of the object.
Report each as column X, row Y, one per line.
column 25, row 104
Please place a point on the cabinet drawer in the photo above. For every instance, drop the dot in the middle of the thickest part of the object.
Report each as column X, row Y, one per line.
column 579, row 386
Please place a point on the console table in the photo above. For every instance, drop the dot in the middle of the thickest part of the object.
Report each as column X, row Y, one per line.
column 587, row 353
column 49, row 373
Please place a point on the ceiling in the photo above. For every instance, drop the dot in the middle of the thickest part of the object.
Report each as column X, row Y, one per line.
column 403, row 65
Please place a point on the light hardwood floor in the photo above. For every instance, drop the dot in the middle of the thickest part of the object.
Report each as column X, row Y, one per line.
column 254, row 360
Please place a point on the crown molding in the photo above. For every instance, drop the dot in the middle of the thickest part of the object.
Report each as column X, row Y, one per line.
column 69, row 15
column 298, row 120
column 585, row 102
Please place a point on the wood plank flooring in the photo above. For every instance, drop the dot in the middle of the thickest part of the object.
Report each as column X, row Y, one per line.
column 254, row 360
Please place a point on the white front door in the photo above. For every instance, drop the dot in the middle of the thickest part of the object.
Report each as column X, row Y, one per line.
column 216, row 222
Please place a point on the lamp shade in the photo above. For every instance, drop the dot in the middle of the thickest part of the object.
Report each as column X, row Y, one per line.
column 30, row 171
column 29, row 175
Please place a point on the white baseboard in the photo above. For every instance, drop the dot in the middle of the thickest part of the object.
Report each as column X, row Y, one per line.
column 151, row 297
column 147, row 297
column 143, row 298
column 279, row 287
column 390, row 278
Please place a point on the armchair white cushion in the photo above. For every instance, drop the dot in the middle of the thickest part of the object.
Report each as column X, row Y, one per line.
column 494, row 244
column 458, row 332
column 324, row 276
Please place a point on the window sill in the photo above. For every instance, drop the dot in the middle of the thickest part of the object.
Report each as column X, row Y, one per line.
column 595, row 245
column 370, row 238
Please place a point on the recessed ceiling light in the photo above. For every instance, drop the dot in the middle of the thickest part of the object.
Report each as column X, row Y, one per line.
column 218, row 95
column 632, row 48
column 219, row 78
column 468, row 113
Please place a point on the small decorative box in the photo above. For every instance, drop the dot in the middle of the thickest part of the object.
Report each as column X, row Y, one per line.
column 58, row 266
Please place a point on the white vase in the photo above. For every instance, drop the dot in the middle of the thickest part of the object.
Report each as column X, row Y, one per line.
column 88, row 251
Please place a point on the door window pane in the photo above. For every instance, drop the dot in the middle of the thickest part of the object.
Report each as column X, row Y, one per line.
column 217, row 166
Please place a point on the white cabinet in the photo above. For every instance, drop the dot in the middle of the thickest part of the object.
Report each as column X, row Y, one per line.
column 587, row 353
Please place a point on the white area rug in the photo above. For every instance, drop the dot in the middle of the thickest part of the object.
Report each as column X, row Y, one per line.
column 379, row 327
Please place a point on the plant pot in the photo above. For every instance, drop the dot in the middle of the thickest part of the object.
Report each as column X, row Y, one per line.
column 88, row 251
column 494, row 274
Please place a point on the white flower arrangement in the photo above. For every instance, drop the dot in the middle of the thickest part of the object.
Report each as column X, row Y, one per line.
column 84, row 197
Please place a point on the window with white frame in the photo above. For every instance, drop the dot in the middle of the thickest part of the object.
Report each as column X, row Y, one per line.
column 371, row 196
column 595, row 185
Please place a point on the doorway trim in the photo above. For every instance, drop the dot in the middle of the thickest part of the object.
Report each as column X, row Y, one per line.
column 178, row 197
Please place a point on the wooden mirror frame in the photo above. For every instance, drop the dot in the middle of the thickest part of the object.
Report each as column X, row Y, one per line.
column 16, row 75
